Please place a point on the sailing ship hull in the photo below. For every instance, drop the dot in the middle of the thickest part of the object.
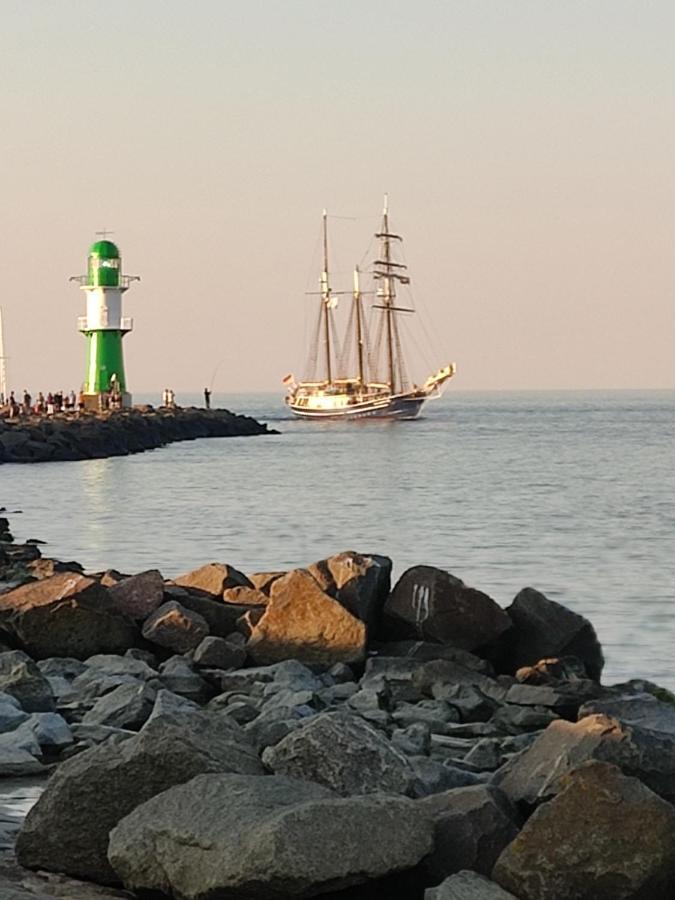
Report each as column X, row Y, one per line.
column 391, row 408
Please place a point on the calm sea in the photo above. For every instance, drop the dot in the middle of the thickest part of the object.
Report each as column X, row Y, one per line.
column 572, row 493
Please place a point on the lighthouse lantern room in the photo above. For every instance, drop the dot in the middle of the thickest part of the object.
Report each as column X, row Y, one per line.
column 104, row 326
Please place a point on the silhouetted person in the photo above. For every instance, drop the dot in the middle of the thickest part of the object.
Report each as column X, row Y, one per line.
column 207, row 398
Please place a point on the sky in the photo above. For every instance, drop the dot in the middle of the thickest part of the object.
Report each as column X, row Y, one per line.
column 527, row 147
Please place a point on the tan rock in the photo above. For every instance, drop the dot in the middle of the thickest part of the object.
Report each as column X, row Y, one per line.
column 213, row 578
column 302, row 622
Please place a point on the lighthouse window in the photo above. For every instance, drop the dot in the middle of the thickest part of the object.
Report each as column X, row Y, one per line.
column 109, row 263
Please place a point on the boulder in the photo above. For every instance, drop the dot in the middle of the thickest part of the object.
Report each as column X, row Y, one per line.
column 67, row 829
column 544, row 628
column 604, row 837
column 431, row 604
column 16, row 762
column 128, row 707
column 343, row 753
column 434, row 777
column 358, row 582
column 11, row 714
column 274, row 837
column 472, row 825
column 109, row 664
column 65, row 615
column 222, row 618
column 22, row 679
column 304, row 623
column 139, row 595
column 217, row 653
column 177, row 674
column 263, row 581
column 641, row 710
column 51, row 730
column 245, row 596
column 467, row 886
column 426, row 651
column 213, row 578
column 536, row 774
column 174, row 627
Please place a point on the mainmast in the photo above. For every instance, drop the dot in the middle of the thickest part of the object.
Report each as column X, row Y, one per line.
column 359, row 324
column 3, row 368
column 326, row 297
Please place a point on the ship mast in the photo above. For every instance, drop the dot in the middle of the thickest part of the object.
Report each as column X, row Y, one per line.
column 389, row 272
column 3, row 368
column 359, row 324
column 326, row 297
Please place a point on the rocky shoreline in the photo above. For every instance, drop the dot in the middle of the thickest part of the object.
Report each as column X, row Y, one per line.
column 71, row 436
column 320, row 733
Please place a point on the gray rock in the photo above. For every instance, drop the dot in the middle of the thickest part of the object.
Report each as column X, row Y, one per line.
column 516, row 719
column 215, row 652
column 338, row 693
column 175, row 627
column 11, row 714
column 468, row 886
column 21, row 679
column 544, row 628
column 62, row 667
column 538, row 773
column 472, row 825
column 415, row 740
column 641, row 710
column 22, row 738
column 177, row 674
column 272, row 726
column 51, row 730
column 67, row 829
column 222, row 618
column 427, row 651
column 343, row 753
column 169, row 704
column 434, row 777
column 430, row 604
column 139, row 595
column 564, row 696
column 625, row 848
column 434, row 713
column 467, row 699
column 92, row 735
column 490, row 753
column 128, row 706
column 15, row 762
column 275, row 837
column 110, row 664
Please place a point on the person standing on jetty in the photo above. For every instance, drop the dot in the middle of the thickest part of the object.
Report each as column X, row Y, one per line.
column 207, row 398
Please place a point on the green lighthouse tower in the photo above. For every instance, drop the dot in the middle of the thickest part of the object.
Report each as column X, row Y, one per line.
column 104, row 326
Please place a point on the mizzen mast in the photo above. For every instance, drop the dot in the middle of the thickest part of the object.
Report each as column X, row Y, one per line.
column 386, row 271
column 3, row 368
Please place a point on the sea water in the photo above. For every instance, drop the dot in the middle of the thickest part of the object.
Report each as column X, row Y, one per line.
column 571, row 493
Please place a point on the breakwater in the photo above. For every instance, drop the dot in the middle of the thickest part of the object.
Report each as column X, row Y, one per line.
column 322, row 732
column 98, row 435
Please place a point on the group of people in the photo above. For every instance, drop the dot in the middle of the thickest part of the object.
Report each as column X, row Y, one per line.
column 52, row 402
column 168, row 398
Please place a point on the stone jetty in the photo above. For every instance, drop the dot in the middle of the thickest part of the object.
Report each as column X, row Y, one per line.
column 321, row 733
column 91, row 435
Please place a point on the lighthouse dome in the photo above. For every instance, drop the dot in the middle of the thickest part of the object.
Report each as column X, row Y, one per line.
column 104, row 250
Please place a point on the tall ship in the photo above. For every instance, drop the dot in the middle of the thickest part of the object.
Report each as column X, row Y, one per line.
column 360, row 371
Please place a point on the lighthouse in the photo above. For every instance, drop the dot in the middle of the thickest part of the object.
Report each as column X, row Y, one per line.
column 104, row 326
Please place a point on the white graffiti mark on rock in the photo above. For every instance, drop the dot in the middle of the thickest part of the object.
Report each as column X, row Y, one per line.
column 421, row 595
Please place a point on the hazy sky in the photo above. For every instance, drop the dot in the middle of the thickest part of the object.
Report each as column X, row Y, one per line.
column 528, row 148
